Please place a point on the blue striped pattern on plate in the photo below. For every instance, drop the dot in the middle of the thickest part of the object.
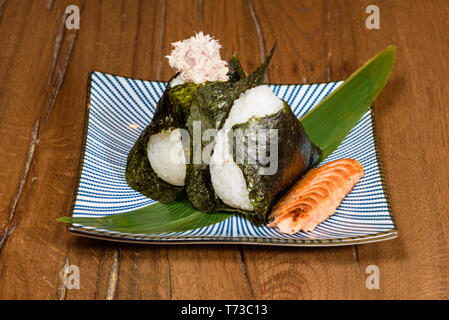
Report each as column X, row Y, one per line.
column 120, row 108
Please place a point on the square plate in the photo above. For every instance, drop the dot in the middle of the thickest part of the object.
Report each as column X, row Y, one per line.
column 119, row 108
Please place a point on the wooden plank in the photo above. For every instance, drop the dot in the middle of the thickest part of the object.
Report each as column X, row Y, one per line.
column 107, row 270
column 15, row 96
column 42, row 99
column 307, row 38
column 129, row 44
column 207, row 271
column 37, row 253
column 412, row 121
column 31, row 39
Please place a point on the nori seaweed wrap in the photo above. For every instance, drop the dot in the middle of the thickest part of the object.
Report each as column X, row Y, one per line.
column 139, row 174
column 295, row 155
column 210, row 107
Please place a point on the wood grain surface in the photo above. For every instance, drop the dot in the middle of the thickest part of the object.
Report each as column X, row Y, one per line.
column 44, row 68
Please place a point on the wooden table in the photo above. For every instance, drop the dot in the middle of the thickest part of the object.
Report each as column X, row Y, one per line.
column 43, row 72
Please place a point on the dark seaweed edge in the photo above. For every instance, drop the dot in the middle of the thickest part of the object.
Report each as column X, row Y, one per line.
column 200, row 190
column 236, row 71
column 139, row 173
column 102, row 235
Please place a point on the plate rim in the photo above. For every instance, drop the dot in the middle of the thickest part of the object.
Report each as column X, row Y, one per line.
column 154, row 239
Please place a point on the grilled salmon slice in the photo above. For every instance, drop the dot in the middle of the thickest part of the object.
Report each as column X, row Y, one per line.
column 316, row 196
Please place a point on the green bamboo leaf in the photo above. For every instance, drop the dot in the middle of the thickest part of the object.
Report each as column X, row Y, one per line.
column 176, row 216
column 331, row 120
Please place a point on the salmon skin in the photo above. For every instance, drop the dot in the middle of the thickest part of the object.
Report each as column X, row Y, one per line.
column 316, row 196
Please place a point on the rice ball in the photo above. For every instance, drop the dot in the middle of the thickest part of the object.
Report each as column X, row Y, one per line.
column 226, row 176
column 166, row 156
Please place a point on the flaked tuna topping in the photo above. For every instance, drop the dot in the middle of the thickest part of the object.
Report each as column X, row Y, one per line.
column 198, row 59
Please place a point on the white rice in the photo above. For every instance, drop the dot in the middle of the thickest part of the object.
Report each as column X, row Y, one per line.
column 227, row 178
column 177, row 80
column 166, row 157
